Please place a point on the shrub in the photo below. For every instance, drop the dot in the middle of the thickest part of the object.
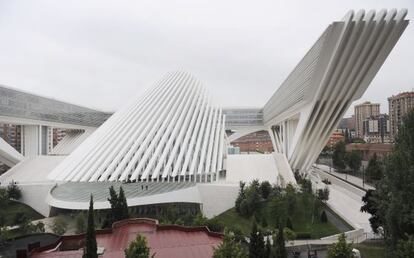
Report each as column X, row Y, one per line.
column 324, row 218
column 303, row 235
column 13, row 191
column 59, row 226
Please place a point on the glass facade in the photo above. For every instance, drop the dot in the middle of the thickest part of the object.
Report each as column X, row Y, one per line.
column 14, row 103
column 243, row 116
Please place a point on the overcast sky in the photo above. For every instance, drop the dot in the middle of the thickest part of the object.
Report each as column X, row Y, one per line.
column 101, row 53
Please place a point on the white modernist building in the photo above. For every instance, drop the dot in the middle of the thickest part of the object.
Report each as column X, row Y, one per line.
column 173, row 138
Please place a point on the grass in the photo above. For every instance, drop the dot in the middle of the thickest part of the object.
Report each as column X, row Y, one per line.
column 301, row 220
column 369, row 250
column 10, row 210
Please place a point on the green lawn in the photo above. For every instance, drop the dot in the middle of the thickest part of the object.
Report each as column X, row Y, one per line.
column 371, row 250
column 12, row 208
column 301, row 221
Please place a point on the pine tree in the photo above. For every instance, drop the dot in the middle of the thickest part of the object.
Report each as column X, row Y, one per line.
column 113, row 200
column 122, row 205
column 256, row 245
column 90, row 250
column 279, row 249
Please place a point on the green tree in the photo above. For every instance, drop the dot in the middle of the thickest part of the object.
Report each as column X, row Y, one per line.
column 241, row 196
column 265, row 189
column 138, row 248
column 256, row 244
column 353, row 160
column 371, row 205
column 113, row 201
column 392, row 203
column 91, row 248
column 268, row 248
column 290, row 198
column 323, row 194
column 374, row 171
column 4, row 198
column 59, row 226
column 341, row 249
column 123, row 206
column 338, row 155
column 324, row 218
column 279, row 248
column 4, row 236
column 405, row 248
column 13, row 191
column 230, row 248
column 80, row 223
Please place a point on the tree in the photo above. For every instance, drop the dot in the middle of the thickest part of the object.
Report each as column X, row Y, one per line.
column 138, row 248
column 324, row 218
column 256, row 244
column 341, row 249
column 265, row 189
column 405, row 248
column 13, row 191
column 80, row 223
column 371, row 204
column 4, row 236
column 392, row 203
column 374, row 170
column 289, row 234
column 323, row 194
column 241, row 196
column 113, row 201
column 338, row 155
column 119, row 206
column 91, row 248
column 289, row 223
column 279, row 248
column 353, row 160
column 268, row 248
column 59, row 226
column 230, row 248
column 290, row 198
column 4, row 198
column 306, row 186
column 122, row 204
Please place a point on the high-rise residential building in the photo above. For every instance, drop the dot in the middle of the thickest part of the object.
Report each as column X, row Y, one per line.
column 58, row 135
column 363, row 111
column 376, row 129
column 399, row 106
column 11, row 134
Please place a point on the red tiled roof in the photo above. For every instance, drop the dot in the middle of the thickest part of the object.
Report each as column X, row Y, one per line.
column 164, row 241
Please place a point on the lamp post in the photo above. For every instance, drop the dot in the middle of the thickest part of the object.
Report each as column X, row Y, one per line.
column 363, row 176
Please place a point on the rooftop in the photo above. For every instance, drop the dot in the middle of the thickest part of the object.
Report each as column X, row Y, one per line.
column 163, row 240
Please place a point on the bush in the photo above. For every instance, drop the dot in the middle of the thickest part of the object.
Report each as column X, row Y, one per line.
column 324, row 218
column 289, row 223
column 215, row 225
column 265, row 189
column 80, row 223
column 303, row 235
column 59, row 226
column 13, row 191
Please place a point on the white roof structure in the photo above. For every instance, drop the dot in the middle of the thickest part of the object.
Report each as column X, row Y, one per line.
column 173, row 137
column 173, row 131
